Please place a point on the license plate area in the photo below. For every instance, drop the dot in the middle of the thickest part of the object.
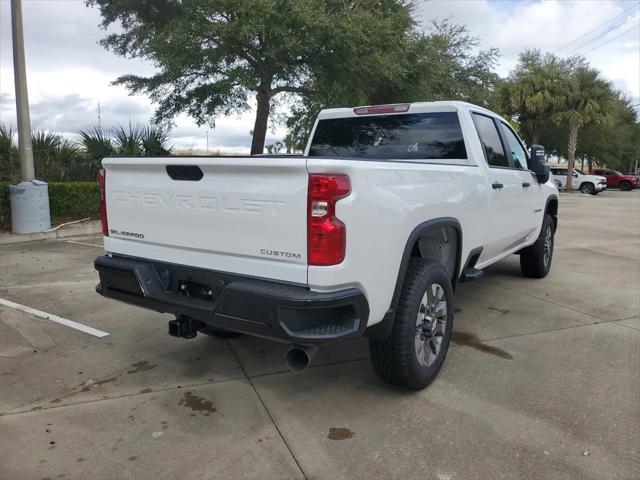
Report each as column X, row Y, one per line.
column 201, row 291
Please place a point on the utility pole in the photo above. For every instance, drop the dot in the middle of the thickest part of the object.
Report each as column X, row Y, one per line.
column 99, row 118
column 207, row 140
column 30, row 198
column 22, row 98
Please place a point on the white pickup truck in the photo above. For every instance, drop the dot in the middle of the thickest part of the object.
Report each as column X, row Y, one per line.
column 368, row 233
column 591, row 184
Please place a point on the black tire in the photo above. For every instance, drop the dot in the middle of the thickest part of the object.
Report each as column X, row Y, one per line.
column 534, row 262
column 625, row 186
column 395, row 359
column 588, row 187
column 218, row 332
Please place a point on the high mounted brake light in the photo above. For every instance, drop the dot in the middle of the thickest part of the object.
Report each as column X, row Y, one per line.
column 326, row 234
column 102, row 183
column 377, row 109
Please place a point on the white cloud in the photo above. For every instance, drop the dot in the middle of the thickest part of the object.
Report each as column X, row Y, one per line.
column 549, row 26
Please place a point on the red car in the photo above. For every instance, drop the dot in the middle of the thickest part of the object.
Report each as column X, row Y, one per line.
column 616, row 179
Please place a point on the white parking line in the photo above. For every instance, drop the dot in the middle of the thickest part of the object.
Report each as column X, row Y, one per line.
column 84, row 243
column 54, row 318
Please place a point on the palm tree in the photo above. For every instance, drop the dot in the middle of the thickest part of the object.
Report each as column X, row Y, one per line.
column 154, row 141
column 9, row 156
column 588, row 100
column 96, row 145
column 534, row 91
column 128, row 141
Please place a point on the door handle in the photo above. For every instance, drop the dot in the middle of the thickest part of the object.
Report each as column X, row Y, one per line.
column 525, row 184
column 495, row 185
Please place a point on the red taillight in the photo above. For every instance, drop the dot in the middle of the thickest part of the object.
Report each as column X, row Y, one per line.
column 102, row 182
column 326, row 235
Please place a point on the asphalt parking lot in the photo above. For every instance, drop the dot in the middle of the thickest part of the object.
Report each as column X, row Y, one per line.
column 542, row 380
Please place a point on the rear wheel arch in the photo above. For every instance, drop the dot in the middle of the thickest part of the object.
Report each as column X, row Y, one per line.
column 425, row 241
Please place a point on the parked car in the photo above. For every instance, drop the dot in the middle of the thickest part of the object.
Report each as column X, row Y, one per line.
column 591, row 184
column 555, row 181
column 616, row 179
column 368, row 233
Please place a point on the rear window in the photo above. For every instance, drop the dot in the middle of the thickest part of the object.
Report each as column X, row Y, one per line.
column 421, row 136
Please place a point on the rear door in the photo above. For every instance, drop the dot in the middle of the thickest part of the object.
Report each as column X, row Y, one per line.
column 560, row 174
column 509, row 226
column 241, row 215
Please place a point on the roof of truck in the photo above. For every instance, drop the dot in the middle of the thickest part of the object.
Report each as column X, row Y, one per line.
column 396, row 108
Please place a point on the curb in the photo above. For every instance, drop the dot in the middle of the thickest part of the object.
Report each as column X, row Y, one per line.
column 91, row 227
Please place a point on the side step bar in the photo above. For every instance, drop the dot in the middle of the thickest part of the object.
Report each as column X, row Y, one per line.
column 469, row 272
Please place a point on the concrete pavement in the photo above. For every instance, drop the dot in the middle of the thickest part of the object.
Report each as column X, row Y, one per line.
column 541, row 380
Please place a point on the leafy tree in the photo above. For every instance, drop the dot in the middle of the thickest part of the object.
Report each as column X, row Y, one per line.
column 441, row 63
column 213, row 56
column 615, row 144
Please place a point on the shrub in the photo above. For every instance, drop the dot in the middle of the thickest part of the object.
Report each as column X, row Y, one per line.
column 67, row 201
column 5, row 209
column 74, row 200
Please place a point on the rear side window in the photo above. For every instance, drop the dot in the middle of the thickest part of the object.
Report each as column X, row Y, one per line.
column 419, row 136
column 490, row 139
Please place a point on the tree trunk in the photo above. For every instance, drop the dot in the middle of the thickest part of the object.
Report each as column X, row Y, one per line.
column 260, row 127
column 571, row 156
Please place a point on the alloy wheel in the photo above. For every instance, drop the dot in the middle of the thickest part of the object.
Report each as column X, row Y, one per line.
column 431, row 325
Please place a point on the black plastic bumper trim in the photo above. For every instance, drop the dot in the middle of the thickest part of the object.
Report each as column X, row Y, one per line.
column 260, row 307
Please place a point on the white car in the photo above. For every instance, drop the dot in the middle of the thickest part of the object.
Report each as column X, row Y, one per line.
column 368, row 233
column 591, row 184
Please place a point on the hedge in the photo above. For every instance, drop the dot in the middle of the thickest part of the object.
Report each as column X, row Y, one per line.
column 67, row 201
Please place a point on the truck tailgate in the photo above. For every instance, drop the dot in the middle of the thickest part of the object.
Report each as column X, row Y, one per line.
column 244, row 215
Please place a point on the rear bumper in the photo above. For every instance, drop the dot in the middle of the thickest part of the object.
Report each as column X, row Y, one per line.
column 265, row 308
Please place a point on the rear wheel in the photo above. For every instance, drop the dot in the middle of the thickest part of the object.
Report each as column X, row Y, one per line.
column 535, row 261
column 587, row 187
column 625, row 186
column 413, row 354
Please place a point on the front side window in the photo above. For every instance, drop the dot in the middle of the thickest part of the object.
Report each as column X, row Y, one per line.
column 490, row 139
column 517, row 157
column 420, row 136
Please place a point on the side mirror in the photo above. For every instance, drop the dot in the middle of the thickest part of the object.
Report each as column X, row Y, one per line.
column 539, row 164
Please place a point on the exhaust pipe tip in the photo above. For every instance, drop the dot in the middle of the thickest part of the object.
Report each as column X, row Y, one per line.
column 298, row 358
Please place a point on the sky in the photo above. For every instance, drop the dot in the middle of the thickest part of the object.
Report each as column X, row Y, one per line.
column 69, row 73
